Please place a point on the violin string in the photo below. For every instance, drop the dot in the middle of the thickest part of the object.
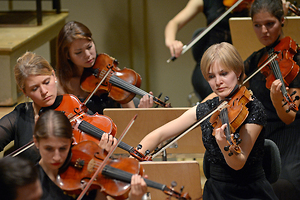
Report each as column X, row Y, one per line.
column 278, row 75
column 96, row 88
column 225, row 120
column 126, row 177
column 260, row 68
column 188, row 46
column 219, row 107
column 132, row 88
column 127, row 86
column 101, row 167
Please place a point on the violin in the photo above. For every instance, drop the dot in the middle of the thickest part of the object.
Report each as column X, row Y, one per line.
column 91, row 127
column 122, row 85
column 294, row 9
column 246, row 4
column 233, row 115
column 114, row 180
column 283, row 68
column 81, row 122
column 71, row 106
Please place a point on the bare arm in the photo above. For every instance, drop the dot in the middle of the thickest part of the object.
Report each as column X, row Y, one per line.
column 192, row 8
column 171, row 129
column 248, row 134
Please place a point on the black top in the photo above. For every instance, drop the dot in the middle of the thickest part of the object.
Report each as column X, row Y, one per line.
column 285, row 136
column 256, row 116
column 214, row 9
column 220, row 33
column 52, row 192
column 18, row 125
column 224, row 182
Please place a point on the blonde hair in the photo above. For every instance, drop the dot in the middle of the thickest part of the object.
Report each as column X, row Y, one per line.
column 30, row 64
column 227, row 55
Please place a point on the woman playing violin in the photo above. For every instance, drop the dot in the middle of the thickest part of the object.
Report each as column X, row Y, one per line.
column 37, row 80
column 53, row 138
column 223, row 69
column 76, row 52
column 282, row 127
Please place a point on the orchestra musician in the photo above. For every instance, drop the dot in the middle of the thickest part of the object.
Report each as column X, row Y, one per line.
column 219, row 33
column 241, row 175
column 19, row 179
column 76, row 52
column 53, row 138
column 36, row 79
column 282, row 127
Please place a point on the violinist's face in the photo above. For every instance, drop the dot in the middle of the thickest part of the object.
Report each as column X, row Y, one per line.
column 221, row 80
column 41, row 89
column 82, row 53
column 54, row 151
column 267, row 27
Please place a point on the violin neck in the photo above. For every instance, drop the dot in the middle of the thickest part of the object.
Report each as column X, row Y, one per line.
column 127, row 86
column 116, row 81
column 225, row 120
column 278, row 75
column 97, row 133
column 124, row 176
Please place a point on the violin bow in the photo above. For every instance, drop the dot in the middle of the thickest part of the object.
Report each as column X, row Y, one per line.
column 201, row 34
column 21, row 149
column 270, row 58
column 100, row 168
column 219, row 107
column 99, row 84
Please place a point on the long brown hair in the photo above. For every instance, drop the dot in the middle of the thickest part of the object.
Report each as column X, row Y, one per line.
column 274, row 7
column 66, row 69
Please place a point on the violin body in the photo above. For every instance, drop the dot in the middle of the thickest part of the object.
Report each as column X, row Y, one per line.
column 246, row 4
column 76, row 113
column 122, row 85
column 289, row 69
column 91, row 78
column 283, row 68
column 234, row 116
column 86, row 157
column 114, row 179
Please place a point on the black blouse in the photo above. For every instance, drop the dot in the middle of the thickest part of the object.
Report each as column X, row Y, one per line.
column 18, row 125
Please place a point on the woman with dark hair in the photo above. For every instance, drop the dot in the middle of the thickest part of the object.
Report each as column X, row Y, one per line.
column 76, row 52
column 19, row 179
column 53, row 138
column 282, row 127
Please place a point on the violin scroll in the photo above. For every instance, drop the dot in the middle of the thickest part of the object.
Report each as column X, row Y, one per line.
column 294, row 8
